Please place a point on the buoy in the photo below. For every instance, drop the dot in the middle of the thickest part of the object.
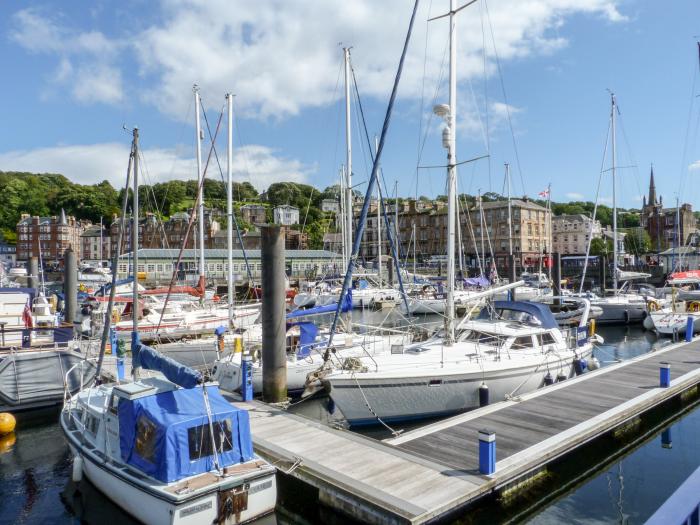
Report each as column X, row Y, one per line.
column 7, row 423
column 561, row 377
column 548, row 379
column 77, row 474
column 580, row 366
column 593, row 363
column 7, row 442
column 483, row 395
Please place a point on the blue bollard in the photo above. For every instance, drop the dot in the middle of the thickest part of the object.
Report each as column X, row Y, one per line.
column 666, row 441
column 689, row 329
column 246, row 377
column 487, row 452
column 665, row 375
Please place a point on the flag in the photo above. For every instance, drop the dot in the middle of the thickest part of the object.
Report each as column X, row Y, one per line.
column 27, row 316
column 544, row 194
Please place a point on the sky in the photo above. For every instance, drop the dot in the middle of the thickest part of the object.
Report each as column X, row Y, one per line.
column 533, row 91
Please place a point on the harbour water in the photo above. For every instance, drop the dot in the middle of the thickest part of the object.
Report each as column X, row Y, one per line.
column 624, row 482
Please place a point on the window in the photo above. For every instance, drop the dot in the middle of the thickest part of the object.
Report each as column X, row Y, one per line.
column 145, row 438
column 524, row 341
column 546, row 339
column 199, row 439
column 159, row 268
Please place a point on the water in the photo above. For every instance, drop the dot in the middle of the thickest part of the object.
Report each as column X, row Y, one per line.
column 624, row 482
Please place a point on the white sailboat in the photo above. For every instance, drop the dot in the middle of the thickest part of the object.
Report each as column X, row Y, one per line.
column 512, row 348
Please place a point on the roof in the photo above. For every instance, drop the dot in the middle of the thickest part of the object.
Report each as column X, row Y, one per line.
column 215, row 253
column 684, row 250
column 572, row 217
column 286, row 207
column 249, row 206
column 514, row 203
column 94, row 231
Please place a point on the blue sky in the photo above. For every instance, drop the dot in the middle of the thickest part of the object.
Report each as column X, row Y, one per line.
column 75, row 73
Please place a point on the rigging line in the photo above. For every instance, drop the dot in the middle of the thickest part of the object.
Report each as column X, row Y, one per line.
column 595, row 209
column 629, row 151
column 683, row 172
column 486, row 89
column 422, row 94
column 505, row 98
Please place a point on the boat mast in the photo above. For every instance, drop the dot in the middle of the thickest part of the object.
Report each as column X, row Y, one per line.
column 135, row 255
column 451, row 180
column 200, row 191
column 510, row 213
column 379, row 221
column 614, row 189
column 397, row 239
column 229, row 206
column 348, row 169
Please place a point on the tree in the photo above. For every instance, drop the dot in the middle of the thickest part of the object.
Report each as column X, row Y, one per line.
column 637, row 241
column 600, row 246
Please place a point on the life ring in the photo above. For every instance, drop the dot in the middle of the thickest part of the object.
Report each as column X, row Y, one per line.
column 115, row 316
column 694, row 306
column 653, row 305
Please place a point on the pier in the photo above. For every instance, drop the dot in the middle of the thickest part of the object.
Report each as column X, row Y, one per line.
column 433, row 472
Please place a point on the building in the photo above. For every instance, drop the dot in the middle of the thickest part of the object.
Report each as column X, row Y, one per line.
column 330, row 206
column 157, row 264
column 333, row 242
column 286, row 215
column 50, row 235
column 623, row 257
column 8, row 252
column 571, row 233
column 95, row 244
column 254, row 214
column 667, row 227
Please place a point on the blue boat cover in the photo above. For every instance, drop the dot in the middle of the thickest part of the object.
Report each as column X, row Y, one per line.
column 481, row 281
column 538, row 311
column 102, row 290
column 307, row 338
column 167, row 437
column 150, row 359
column 325, row 309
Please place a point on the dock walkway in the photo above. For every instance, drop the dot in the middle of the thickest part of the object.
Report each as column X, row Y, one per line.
column 427, row 473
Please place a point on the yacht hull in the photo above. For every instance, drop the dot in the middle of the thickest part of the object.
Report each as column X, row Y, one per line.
column 673, row 323
column 411, row 397
column 621, row 313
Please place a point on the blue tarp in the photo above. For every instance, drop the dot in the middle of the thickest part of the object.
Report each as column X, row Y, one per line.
column 477, row 281
column 102, row 290
column 307, row 338
column 150, row 359
column 163, row 435
column 326, row 309
column 539, row 311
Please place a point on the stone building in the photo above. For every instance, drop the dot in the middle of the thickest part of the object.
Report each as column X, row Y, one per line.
column 254, row 213
column 95, row 244
column 50, row 235
column 667, row 227
column 571, row 233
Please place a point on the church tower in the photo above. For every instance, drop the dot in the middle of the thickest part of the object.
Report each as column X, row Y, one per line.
column 651, row 201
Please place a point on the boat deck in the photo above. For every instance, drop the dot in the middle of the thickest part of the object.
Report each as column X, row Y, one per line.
column 430, row 472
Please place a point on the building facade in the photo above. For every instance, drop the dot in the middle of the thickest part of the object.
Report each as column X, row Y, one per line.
column 286, row 215
column 571, row 233
column 48, row 237
column 254, row 214
column 667, row 227
column 95, row 244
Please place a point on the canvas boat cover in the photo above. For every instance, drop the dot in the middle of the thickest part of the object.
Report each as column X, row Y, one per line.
column 167, row 436
column 538, row 311
column 346, row 306
column 33, row 376
column 150, row 359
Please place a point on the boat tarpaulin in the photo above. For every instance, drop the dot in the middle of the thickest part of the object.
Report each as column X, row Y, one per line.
column 524, row 311
column 480, row 281
column 167, row 435
column 325, row 309
column 150, row 359
column 307, row 337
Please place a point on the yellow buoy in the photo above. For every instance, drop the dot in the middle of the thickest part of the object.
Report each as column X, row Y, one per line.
column 7, row 442
column 7, row 423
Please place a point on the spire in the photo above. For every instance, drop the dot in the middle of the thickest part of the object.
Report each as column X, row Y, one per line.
column 652, row 189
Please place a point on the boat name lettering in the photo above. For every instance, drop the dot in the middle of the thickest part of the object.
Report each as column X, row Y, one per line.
column 260, row 486
column 195, row 509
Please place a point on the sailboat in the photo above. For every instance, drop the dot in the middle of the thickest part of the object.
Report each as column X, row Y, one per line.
column 510, row 349
column 168, row 449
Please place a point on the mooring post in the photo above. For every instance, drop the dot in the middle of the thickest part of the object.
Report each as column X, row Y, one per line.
column 556, row 277
column 246, row 377
column 274, row 358
column 511, row 275
column 33, row 280
column 666, row 441
column 690, row 325
column 487, row 452
column 70, row 285
column 665, row 375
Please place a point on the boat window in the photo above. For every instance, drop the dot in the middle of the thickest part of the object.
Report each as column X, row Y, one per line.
column 524, row 341
column 481, row 338
column 199, row 439
column 91, row 424
column 547, row 339
column 114, row 404
column 146, row 438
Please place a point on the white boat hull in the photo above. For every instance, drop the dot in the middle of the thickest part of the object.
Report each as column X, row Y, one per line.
column 668, row 323
column 411, row 397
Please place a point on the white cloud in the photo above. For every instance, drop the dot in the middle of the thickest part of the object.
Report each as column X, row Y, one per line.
column 86, row 60
column 694, row 166
column 90, row 164
column 574, row 196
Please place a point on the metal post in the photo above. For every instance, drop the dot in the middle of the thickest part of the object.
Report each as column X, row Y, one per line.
column 274, row 358
column 487, row 452
column 246, row 377
column 665, row 375
column 511, row 275
column 556, row 276
column 70, row 285
column 33, row 281
column 689, row 327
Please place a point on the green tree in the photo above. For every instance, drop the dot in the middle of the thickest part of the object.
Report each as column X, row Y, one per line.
column 637, row 241
column 601, row 246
